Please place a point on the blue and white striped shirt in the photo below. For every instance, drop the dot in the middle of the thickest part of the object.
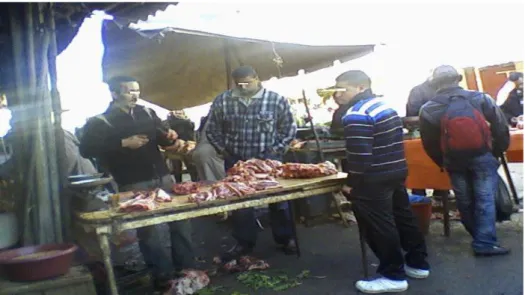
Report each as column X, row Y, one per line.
column 374, row 142
column 251, row 129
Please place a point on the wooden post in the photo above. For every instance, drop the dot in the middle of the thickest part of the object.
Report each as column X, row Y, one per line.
column 227, row 63
column 59, row 133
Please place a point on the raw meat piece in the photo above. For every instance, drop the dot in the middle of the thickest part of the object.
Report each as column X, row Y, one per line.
column 186, row 188
column 202, row 197
column 135, row 205
column 162, row 196
column 239, row 188
column 190, row 283
column 296, row 170
column 261, row 185
column 244, row 263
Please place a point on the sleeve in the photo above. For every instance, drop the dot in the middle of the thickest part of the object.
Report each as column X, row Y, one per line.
column 414, row 102
column 431, row 139
column 161, row 129
column 96, row 139
column 214, row 130
column 498, row 125
column 359, row 136
column 286, row 127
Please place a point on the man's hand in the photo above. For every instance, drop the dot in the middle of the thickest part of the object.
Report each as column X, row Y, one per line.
column 135, row 141
column 172, row 135
column 346, row 189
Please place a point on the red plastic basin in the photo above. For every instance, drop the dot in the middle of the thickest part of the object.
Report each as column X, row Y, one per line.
column 54, row 260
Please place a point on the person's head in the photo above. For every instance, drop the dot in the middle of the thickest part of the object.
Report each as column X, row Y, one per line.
column 124, row 90
column 445, row 76
column 517, row 79
column 246, row 80
column 349, row 84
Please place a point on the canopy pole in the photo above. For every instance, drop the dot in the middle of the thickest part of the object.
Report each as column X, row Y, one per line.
column 311, row 119
column 227, row 63
column 59, row 133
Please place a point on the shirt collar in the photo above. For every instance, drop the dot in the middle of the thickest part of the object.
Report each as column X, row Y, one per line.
column 235, row 93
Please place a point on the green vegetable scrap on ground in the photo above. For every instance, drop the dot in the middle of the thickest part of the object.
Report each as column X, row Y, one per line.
column 262, row 280
column 281, row 282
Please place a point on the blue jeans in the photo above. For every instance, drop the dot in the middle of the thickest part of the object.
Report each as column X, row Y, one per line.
column 475, row 188
column 245, row 227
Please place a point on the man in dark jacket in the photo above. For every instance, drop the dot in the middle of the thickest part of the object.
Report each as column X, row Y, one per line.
column 513, row 105
column 419, row 95
column 125, row 139
column 377, row 170
column 474, row 178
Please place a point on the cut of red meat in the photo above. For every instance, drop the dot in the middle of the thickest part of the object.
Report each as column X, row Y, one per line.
column 162, row 196
column 186, row 188
column 135, row 205
column 261, row 185
column 296, row 170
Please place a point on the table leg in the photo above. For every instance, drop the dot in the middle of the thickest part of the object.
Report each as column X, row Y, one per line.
column 106, row 255
column 446, row 216
column 339, row 210
column 294, row 227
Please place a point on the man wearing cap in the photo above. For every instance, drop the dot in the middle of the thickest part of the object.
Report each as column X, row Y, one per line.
column 471, row 164
column 248, row 122
column 513, row 105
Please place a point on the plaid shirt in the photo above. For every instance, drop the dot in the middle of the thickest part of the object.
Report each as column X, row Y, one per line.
column 251, row 129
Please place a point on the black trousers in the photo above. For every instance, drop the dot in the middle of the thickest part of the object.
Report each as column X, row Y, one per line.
column 383, row 212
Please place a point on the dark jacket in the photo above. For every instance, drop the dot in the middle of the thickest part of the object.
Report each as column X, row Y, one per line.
column 430, row 123
column 102, row 140
column 185, row 128
column 513, row 106
column 418, row 96
column 337, row 128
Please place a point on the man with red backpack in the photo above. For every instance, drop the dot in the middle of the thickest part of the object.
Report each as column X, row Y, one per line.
column 463, row 132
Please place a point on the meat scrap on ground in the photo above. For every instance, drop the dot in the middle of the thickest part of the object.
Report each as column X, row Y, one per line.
column 190, row 283
column 243, row 263
column 144, row 201
column 297, row 170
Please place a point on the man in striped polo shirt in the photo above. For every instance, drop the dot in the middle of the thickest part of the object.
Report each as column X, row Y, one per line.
column 248, row 122
column 376, row 174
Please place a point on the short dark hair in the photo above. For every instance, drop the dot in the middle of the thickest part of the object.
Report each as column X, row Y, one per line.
column 515, row 76
column 244, row 72
column 115, row 82
column 355, row 78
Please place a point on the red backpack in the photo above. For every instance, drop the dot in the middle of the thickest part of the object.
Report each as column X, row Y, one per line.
column 464, row 131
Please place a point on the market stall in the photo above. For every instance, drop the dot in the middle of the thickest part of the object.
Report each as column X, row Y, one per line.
column 109, row 222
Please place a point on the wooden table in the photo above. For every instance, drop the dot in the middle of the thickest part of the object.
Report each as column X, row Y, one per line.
column 423, row 173
column 108, row 222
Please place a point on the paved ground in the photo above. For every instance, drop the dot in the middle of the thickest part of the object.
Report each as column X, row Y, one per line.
column 332, row 251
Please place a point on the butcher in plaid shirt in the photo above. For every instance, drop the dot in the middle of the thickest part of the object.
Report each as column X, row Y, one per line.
column 247, row 122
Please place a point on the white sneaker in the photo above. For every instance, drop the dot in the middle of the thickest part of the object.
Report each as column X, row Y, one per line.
column 381, row 285
column 416, row 273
